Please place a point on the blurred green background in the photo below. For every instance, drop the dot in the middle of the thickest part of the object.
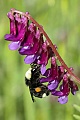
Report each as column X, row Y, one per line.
column 61, row 21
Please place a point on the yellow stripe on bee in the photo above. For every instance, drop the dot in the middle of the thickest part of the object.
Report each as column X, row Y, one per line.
column 38, row 89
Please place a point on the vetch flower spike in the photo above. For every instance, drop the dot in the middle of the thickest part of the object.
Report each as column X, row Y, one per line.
column 27, row 36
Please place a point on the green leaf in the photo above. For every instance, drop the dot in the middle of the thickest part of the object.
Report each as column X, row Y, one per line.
column 77, row 117
column 78, row 95
column 77, row 107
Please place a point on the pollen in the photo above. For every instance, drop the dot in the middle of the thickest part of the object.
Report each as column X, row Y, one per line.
column 38, row 89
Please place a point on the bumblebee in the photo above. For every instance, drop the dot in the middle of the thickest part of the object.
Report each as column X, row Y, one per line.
column 32, row 79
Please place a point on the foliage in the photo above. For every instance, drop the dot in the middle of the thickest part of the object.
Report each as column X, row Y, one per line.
column 77, row 107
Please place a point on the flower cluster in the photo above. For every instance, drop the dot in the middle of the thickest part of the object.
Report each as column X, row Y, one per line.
column 59, row 82
column 28, row 39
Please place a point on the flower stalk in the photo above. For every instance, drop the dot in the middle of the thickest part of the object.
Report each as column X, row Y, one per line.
column 27, row 38
column 50, row 43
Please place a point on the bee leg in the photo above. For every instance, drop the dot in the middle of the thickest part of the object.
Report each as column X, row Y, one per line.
column 32, row 96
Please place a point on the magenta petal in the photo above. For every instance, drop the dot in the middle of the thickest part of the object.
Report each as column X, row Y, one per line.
column 38, row 33
column 23, row 49
column 73, row 91
column 53, row 85
column 9, row 37
column 43, row 79
column 19, row 37
column 10, row 16
column 12, row 23
column 47, row 73
column 43, row 69
column 30, row 51
column 30, row 59
column 14, row 45
column 63, row 99
column 44, row 58
column 14, row 38
column 29, row 38
column 57, row 93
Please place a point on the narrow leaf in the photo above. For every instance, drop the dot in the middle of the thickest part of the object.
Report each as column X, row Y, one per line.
column 77, row 117
column 77, row 107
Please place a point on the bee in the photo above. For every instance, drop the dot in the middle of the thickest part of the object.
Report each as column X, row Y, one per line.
column 32, row 79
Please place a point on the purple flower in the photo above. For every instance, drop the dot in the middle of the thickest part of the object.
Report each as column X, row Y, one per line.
column 18, row 26
column 53, row 73
column 65, row 89
column 63, row 99
column 29, row 40
column 43, row 69
column 53, row 85
column 30, row 59
column 73, row 87
column 29, row 36
column 30, row 45
column 54, row 76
